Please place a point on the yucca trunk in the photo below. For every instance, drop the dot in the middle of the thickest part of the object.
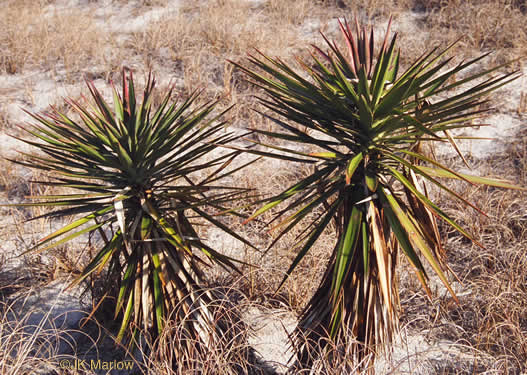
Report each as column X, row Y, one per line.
column 358, row 306
column 163, row 280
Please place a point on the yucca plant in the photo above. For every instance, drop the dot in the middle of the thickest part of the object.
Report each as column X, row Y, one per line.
column 135, row 179
column 364, row 125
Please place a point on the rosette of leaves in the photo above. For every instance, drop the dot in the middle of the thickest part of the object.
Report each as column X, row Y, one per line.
column 364, row 125
column 137, row 179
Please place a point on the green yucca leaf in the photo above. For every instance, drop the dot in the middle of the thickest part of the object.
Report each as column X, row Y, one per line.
column 76, row 234
column 418, row 240
column 436, row 172
column 410, row 186
column 347, row 246
column 100, row 260
column 126, row 283
column 138, row 172
column 158, row 294
column 430, row 178
column 291, row 191
column 126, row 317
column 313, row 201
column 74, row 225
column 404, row 241
column 375, row 117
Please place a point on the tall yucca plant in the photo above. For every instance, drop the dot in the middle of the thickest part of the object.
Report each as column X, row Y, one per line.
column 135, row 179
column 369, row 165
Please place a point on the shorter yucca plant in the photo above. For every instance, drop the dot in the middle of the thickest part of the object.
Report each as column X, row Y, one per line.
column 366, row 124
column 134, row 178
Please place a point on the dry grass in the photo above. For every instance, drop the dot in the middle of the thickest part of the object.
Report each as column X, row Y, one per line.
column 195, row 42
column 189, row 46
column 35, row 36
column 498, row 25
column 26, row 346
column 494, row 316
column 230, row 355
column 491, row 318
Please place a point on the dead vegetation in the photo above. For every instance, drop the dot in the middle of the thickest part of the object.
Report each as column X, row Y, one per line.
column 36, row 36
column 492, row 317
column 190, row 45
column 26, row 345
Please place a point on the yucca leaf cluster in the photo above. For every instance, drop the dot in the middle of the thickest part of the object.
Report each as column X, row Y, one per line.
column 135, row 178
column 365, row 123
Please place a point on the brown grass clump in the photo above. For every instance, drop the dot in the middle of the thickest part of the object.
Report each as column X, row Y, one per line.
column 26, row 346
column 35, row 36
column 491, row 319
column 498, row 25
column 196, row 41
column 231, row 355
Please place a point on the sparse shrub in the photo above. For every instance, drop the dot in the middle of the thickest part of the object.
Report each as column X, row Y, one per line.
column 365, row 128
